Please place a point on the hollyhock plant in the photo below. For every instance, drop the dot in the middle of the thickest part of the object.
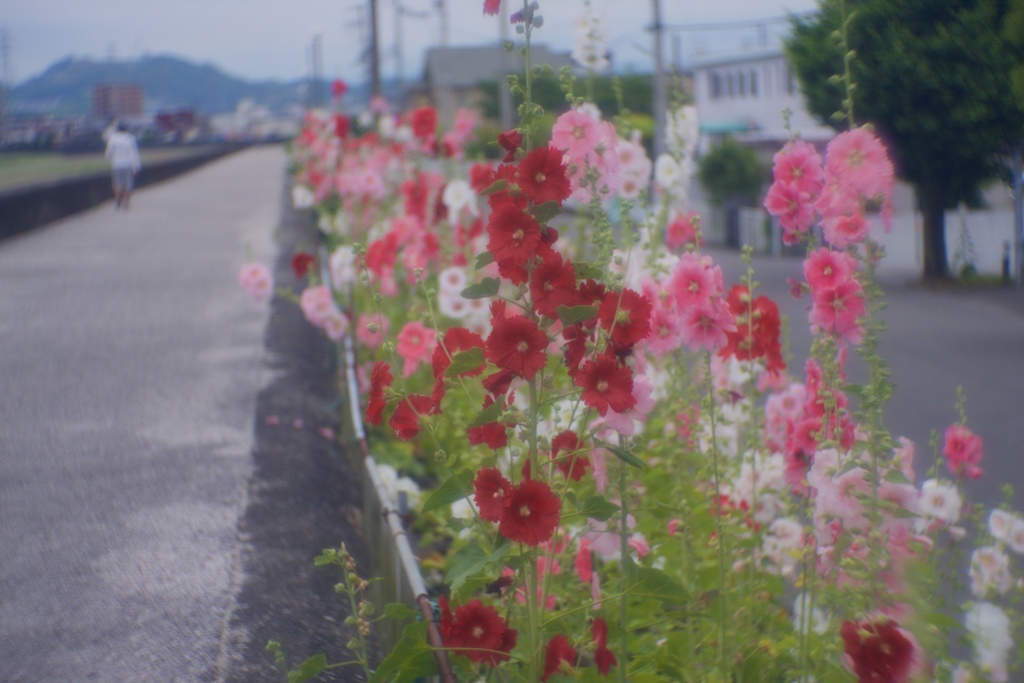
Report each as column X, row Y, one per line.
column 595, row 401
column 255, row 280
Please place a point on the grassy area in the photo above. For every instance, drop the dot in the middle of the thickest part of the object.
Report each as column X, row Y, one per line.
column 25, row 169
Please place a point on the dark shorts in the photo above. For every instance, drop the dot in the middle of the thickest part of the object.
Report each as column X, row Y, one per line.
column 124, row 179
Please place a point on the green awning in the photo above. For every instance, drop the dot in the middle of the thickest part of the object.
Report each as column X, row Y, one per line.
column 721, row 127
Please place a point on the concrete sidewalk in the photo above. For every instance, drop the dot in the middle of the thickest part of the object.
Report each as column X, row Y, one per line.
column 132, row 362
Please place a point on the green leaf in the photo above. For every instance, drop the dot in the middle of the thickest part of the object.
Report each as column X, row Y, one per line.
column 411, row 658
column 398, row 610
column 629, row 568
column 454, row 488
column 587, row 271
column 325, row 558
column 570, row 315
column 654, row 583
column 483, row 258
column 469, row 561
column 896, row 477
column 545, row 212
column 496, row 186
column 598, row 507
column 624, row 455
column 488, row 415
column 487, row 287
column 465, row 361
column 311, row 668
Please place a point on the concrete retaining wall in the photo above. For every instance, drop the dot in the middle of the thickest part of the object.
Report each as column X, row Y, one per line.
column 26, row 208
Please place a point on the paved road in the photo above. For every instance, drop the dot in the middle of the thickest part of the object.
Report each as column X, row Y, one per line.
column 130, row 367
column 937, row 339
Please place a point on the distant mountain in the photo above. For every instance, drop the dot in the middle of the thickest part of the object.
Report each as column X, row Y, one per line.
column 167, row 82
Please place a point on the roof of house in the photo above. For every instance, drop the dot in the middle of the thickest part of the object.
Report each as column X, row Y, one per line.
column 466, row 66
column 747, row 57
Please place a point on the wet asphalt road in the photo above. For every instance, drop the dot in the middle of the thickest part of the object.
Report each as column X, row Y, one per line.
column 131, row 485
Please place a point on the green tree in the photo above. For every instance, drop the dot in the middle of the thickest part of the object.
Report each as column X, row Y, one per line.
column 731, row 172
column 933, row 77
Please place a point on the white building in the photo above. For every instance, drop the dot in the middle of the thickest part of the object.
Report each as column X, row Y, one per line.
column 746, row 94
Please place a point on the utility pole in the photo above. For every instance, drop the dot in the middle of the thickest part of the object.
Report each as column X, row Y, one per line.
column 442, row 12
column 504, row 95
column 317, row 59
column 1018, row 214
column 660, row 100
column 400, row 12
column 7, row 81
column 374, row 51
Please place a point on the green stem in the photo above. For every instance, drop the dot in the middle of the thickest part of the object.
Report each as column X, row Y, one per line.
column 723, row 655
column 623, row 603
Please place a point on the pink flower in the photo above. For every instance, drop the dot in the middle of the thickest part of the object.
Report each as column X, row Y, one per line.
column 798, row 166
column 317, row 304
column 415, row 344
column 255, row 280
column 682, row 230
column 963, row 451
column 838, row 310
column 794, row 209
column 639, row 544
column 576, row 134
column 858, row 159
column 372, row 340
column 693, row 282
column 825, row 268
column 842, row 231
column 584, row 562
column 707, row 327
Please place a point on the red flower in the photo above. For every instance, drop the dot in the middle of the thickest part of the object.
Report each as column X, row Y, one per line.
column 455, row 340
column 476, row 631
column 499, row 382
column 406, row 418
column 493, row 433
column 605, row 659
column 542, row 176
column 758, row 327
column 553, row 284
column 878, row 651
column 573, row 464
column 557, row 653
column 481, row 176
column 423, row 122
column 301, row 263
column 517, row 345
column 380, row 378
column 606, row 384
column 338, row 88
column 491, row 489
column 510, row 139
column 627, row 316
column 514, row 235
column 963, row 450
column 530, row 513
column 341, row 126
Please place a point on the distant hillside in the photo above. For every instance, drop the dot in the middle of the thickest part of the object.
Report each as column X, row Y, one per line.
column 66, row 87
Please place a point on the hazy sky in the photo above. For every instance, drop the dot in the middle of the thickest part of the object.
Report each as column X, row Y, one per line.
column 260, row 39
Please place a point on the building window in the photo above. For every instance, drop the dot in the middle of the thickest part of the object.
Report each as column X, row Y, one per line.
column 791, row 84
column 743, row 84
column 753, row 83
column 716, row 85
column 731, row 85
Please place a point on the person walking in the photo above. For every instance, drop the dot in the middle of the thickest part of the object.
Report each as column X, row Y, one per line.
column 123, row 155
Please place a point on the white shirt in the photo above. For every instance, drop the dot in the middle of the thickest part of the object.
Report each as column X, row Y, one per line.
column 122, row 152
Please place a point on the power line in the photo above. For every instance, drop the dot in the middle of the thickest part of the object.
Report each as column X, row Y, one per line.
column 739, row 23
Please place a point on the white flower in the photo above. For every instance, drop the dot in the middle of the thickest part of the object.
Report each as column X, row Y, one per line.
column 458, row 195
column 411, row 490
column 999, row 522
column 990, row 570
column 451, row 304
column 343, row 267
column 683, row 131
column 386, row 127
column 302, row 197
column 815, row 621
column 990, row 632
column 1016, row 535
column 590, row 44
column 666, row 172
column 939, row 501
column 452, row 279
column 365, row 118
